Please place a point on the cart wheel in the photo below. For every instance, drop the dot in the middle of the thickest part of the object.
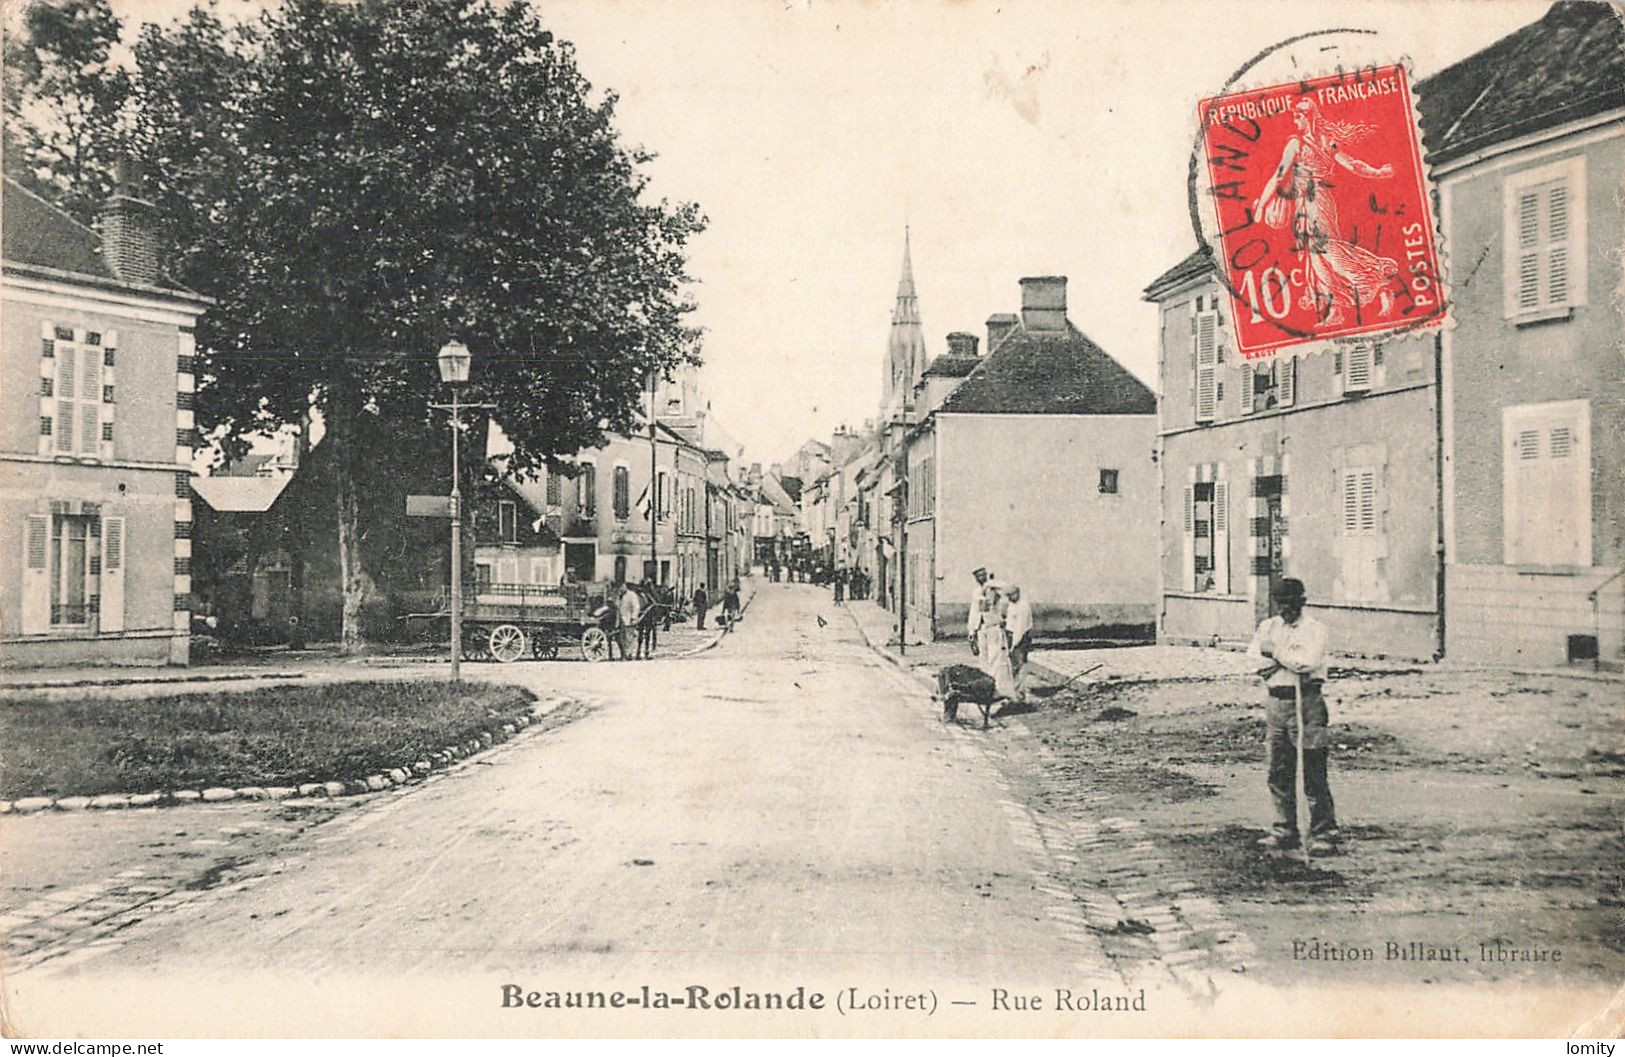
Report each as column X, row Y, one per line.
column 476, row 643
column 544, row 645
column 595, row 644
column 507, row 643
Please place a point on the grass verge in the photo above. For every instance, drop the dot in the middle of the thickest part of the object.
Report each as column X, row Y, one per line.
column 280, row 735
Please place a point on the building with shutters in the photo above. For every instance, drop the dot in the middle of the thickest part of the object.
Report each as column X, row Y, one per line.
column 1527, row 146
column 96, row 448
column 1460, row 492
column 1321, row 466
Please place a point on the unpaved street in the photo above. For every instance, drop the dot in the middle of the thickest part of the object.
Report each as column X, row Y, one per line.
column 788, row 811
column 785, row 808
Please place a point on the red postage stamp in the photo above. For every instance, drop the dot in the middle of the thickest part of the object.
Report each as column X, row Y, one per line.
column 1325, row 227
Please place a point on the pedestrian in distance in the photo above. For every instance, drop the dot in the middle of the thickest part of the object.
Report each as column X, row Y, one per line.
column 701, row 603
column 730, row 605
column 973, row 624
column 840, row 586
column 631, row 609
column 1289, row 651
column 1018, row 629
column 649, row 622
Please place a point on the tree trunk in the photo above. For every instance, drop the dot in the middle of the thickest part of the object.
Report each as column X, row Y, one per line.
column 296, row 551
column 352, row 577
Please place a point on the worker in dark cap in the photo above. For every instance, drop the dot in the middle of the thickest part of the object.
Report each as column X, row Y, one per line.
column 1290, row 653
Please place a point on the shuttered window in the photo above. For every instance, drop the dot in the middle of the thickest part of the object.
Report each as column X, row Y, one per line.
column 1359, row 501
column 587, row 490
column 1207, row 359
column 75, row 386
column 622, row 493
column 1545, row 239
column 1547, row 484
column 1357, row 369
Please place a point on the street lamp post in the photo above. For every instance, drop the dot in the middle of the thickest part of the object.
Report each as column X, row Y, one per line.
column 454, row 360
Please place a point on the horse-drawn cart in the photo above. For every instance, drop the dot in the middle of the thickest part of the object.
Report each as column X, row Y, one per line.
column 505, row 622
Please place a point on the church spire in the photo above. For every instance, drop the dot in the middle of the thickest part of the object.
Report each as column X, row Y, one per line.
column 905, row 352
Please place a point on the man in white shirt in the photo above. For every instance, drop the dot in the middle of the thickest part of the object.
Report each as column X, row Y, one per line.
column 1288, row 649
column 1018, row 625
column 631, row 612
column 973, row 623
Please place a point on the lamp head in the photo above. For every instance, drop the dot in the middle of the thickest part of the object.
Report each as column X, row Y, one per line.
column 454, row 360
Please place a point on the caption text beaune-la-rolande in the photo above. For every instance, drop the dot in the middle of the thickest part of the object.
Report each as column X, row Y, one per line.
column 844, row 1001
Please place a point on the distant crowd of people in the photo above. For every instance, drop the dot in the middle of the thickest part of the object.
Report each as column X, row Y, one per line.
column 635, row 613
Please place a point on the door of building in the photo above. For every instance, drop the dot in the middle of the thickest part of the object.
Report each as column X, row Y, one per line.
column 582, row 561
column 1274, row 533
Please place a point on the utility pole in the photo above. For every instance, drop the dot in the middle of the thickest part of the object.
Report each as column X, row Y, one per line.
column 900, row 517
column 654, row 491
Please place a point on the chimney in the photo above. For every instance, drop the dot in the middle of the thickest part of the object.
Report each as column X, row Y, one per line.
column 962, row 344
column 129, row 237
column 997, row 327
column 1043, row 302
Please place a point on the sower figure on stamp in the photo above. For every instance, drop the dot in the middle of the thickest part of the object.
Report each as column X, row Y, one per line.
column 1290, row 651
column 1339, row 274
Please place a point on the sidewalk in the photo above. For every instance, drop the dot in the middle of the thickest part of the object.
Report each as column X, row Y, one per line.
column 317, row 665
column 922, row 659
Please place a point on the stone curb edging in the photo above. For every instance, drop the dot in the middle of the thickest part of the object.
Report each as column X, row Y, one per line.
column 407, row 772
column 163, row 680
column 896, row 661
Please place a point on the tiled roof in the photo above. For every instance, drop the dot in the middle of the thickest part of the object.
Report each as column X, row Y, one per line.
column 1200, row 262
column 952, row 366
column 1050, row 372
column 1567, row 66
column 37, row 232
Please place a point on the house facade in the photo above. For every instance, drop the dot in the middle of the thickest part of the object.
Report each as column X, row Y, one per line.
column 96, row 447
column 1321, row 466
column 1034, row 463
column 1533, row 377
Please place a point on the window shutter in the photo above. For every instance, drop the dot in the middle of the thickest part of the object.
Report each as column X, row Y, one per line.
column 1351, row 503
column 1528, row 250
column 1357, row 378
column 1206, row 365
column 36, row 600
column 1368, row 500
column 90, row 398
column 1189, row 570
column 1221, row 536
column 1557, row 237
column 1246, row 385
column 67, row 393
column 112, row 585
column 1286, row 380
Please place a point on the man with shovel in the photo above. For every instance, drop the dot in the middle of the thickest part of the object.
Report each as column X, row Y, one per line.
column 1290, row 652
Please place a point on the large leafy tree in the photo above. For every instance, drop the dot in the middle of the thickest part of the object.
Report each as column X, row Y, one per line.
column 356, row 183
column 66, row 101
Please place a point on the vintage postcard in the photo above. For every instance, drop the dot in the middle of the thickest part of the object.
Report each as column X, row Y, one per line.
column 812, row 519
